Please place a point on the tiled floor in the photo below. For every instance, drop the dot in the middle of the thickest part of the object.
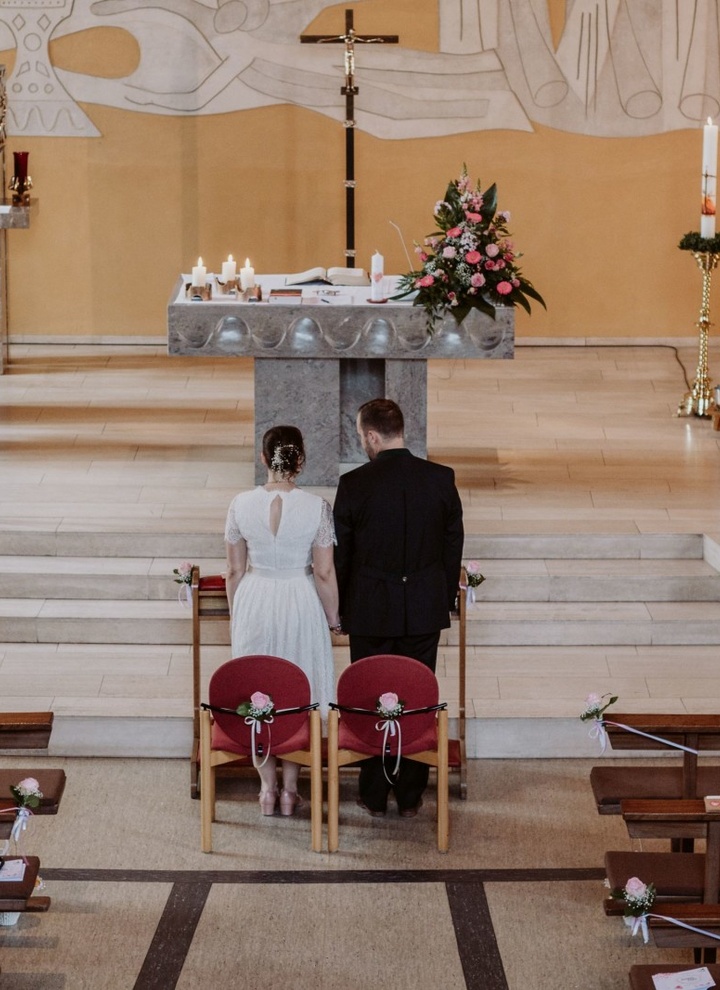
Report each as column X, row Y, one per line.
column 561, row 441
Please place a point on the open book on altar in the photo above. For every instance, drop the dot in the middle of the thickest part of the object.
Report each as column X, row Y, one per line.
column 333, row 276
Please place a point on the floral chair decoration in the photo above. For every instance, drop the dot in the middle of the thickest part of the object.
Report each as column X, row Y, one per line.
column 259, row 706
column 388, row 706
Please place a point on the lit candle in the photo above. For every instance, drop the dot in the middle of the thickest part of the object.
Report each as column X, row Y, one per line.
column 377, row 273
column 198, row 273
column 247, row 276
column 229, row 269
column 709, row 179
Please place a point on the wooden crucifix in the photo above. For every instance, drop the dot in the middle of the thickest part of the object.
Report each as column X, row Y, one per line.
column 349, row 91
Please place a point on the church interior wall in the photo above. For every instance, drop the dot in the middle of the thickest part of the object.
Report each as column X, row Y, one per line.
column 118, row 216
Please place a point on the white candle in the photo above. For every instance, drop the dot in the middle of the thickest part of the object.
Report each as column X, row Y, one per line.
column 377, row 273
column 709, row 179
column 247, row 276
column 229, row 269
column 198, row 273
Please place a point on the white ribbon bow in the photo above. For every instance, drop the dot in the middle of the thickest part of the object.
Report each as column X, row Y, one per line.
column 255, row 731
column 640, row 922
column 597, row 731
column 390, row 728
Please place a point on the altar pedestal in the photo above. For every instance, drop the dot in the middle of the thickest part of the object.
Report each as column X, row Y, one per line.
column 315, row 363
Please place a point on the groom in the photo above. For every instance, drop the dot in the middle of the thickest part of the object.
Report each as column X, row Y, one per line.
column 398, row 521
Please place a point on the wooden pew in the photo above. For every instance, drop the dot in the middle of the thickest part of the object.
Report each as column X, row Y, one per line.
column 25, row 730
column 52, row 785
column 612, row 785
column 19, row 895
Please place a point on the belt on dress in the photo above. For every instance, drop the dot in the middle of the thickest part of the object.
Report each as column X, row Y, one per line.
column 281, row 574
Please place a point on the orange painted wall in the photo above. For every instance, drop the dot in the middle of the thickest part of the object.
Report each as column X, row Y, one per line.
column 119, row 217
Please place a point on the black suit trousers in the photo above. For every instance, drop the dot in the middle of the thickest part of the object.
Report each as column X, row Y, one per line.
column 412, row 777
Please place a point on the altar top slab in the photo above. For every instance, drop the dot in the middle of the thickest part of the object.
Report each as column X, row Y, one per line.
column 323, row 327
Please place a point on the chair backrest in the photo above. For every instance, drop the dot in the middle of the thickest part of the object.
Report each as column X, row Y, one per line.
column 235, row 681
column 361, row 684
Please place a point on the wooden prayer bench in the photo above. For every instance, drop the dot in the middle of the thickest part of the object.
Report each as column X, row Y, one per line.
column 52, row 785
column 611, row 785
column 209, row 603
column 18, row 895
column 716, row 426
column 681, row 876
column 25, row 730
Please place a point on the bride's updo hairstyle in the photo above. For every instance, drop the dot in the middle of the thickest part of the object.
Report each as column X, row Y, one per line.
column 284, row 450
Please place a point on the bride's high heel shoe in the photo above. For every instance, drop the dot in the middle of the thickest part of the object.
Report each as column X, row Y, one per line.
column 268, row 800
column 289, row 800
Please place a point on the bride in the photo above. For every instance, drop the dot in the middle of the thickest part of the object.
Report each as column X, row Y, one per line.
column 281, row 584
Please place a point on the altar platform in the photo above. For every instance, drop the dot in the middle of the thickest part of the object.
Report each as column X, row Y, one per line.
column 318, row 357
column 594, row 512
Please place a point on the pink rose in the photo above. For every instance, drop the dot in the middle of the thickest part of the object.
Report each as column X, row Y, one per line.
column 516, row 283
column 184, row 568
column 635, row 887
column 454, row 232
column 388, row 701
column 492, row 250
column 449, row 251
column 504, row 288
column 28, row 786
column 424, row 281
column 477, row 280
column 473, row 217
column 472, row 257
column 592, row 700
column 260, row 700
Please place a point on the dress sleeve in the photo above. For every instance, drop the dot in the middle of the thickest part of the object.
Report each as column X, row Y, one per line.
column 325, row 536
column 232, row 530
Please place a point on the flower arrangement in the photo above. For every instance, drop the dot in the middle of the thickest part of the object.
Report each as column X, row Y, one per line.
column 27, row 793
column 474, row 577
column 183, row 572
column 260, row 708
column 594, row 706
column 469, row 262
column 694, row 241
column 389, row 705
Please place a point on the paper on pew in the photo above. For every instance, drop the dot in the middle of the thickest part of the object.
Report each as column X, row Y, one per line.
column 12, row 870
column 687, row 979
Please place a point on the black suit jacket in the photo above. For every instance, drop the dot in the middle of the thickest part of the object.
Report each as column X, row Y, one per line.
column 398, row 521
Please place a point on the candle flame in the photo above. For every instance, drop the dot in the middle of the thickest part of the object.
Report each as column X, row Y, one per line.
column 709, row 121
column 199, row 262
column 247, row 262
column 230, row 257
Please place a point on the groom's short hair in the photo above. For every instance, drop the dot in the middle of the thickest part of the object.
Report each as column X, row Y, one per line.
column 382, row 415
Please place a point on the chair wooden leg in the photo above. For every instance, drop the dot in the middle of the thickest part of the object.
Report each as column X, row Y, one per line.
column 207, row 784
column 443, row 820
column 333, row 782
column 316, row 805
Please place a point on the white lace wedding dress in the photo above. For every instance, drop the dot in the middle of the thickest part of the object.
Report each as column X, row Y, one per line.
column 276, row 609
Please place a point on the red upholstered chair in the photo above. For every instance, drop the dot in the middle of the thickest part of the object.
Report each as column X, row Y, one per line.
column 226, row 738
column 353, row 737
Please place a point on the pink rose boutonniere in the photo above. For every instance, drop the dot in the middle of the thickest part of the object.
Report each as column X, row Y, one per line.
column 389, row 705
column 260, row 707
column 639, row 898
column 27, row 793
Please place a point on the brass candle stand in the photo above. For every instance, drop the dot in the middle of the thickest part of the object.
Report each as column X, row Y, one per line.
column 699, row 401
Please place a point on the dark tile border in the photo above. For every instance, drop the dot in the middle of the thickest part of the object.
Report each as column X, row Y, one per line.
column 474, row 932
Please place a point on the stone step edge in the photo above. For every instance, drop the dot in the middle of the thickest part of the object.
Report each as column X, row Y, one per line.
column 171, row 737
column 185, row 546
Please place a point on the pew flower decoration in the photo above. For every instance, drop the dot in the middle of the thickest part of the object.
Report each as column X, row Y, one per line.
column 389, row 705
column 639, row 898
column 183, row 572
column 469, row 262
column 260, row 708
column 475, row 578
column 594, row 706
column 27, row 793
column 183, row 577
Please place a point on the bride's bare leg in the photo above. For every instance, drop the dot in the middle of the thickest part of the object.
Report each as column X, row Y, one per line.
column 289, row 795
column 268, row 786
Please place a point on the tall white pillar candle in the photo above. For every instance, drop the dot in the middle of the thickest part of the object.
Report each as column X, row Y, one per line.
column 198, row 273
column 709, row 179
column 229, row 269
column 377, row 273
column 247, row 276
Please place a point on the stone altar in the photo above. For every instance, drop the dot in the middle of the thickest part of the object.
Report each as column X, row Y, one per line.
column 316, row 362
